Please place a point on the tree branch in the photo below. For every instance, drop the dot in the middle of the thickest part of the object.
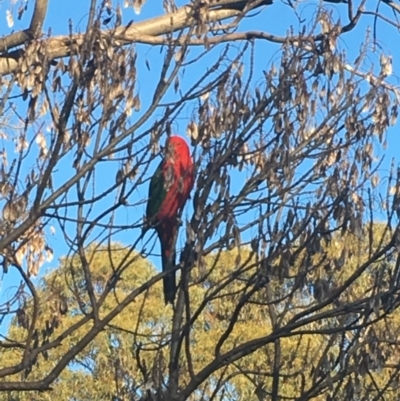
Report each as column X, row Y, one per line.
column 18, row 38
column 140, row 32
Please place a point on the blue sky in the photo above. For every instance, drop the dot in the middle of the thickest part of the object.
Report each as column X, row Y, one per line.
column 276, row 19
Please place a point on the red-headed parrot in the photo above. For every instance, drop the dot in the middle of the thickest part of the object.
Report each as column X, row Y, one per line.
column 169, row 190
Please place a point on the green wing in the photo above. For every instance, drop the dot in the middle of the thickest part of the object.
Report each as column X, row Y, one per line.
column 157, row 193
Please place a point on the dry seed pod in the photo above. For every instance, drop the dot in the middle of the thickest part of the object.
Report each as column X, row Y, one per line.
column 56, row 322
column 49, row 329
column 63, row 307
column 10, row 212
column 5, row 265
column 22, row 318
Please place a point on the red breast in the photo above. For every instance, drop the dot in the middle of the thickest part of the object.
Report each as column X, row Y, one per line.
column 178, row 170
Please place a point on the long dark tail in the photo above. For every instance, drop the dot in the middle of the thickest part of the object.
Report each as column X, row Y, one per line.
column 168, row 263
column 167, row 232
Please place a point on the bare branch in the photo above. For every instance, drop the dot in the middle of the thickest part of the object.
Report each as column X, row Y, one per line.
column 35, row 29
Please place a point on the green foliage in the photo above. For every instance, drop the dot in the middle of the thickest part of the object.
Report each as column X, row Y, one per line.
column 131, row 355
column 91, row 373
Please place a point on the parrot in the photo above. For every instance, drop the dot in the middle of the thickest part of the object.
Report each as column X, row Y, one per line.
column 169, row 189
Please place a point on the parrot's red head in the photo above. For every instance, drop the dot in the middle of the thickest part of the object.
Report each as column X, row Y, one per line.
column 178, row 147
